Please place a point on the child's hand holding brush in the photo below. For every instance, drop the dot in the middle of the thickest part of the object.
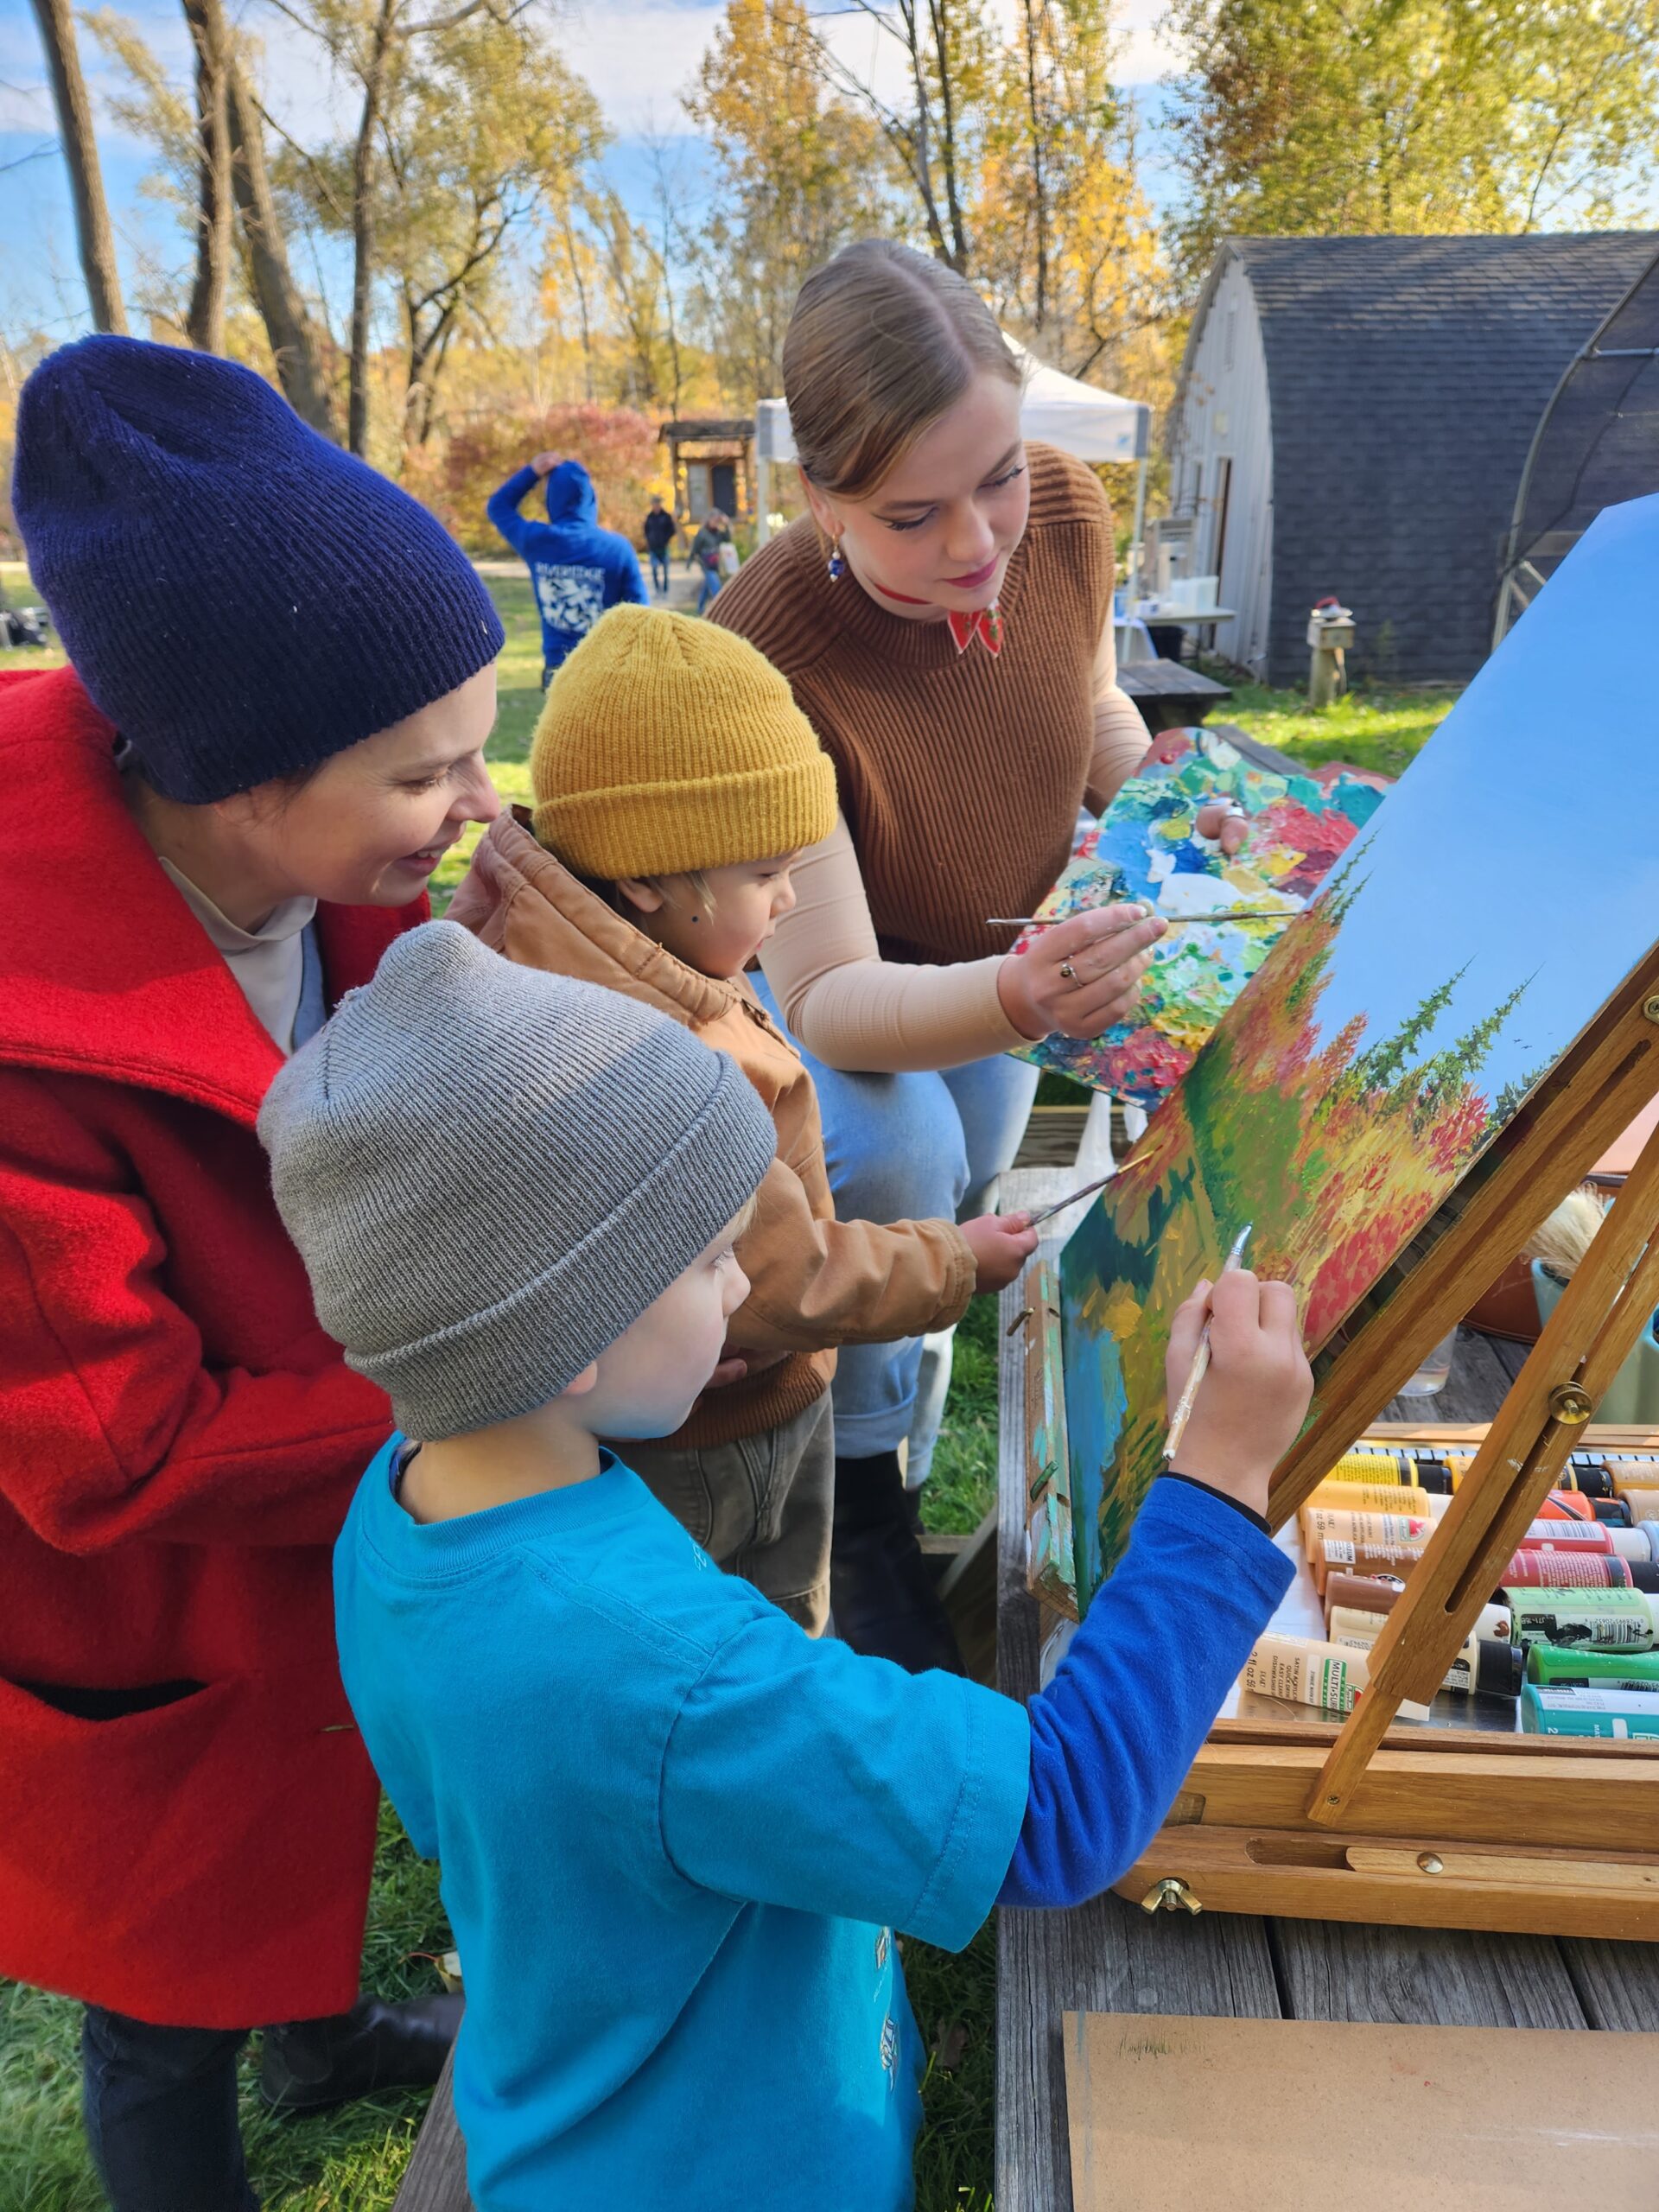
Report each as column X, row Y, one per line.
column 1251, row 1402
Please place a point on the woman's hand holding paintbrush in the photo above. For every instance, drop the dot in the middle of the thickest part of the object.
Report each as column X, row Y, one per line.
column 1080, row 977
column 1252, row 1396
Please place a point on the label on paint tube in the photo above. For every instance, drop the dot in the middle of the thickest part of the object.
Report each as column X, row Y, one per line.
column 1602, row 1712
column 1364, row 1527
column 1604, row 1619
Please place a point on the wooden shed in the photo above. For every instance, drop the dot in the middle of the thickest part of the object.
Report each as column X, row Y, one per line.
column 711, row 464
column 1353, row 415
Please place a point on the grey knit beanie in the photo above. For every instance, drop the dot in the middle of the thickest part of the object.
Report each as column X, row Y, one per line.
column 491, row 1172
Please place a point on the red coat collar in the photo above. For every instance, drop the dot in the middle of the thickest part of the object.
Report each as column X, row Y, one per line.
column 103, row 969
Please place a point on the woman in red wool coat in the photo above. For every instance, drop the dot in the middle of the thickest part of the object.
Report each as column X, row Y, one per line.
column 271, row 729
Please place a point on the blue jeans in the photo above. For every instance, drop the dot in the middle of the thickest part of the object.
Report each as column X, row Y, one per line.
column 659, row 570
column 711, row 583
column 910, row 1147
column 160, row 2107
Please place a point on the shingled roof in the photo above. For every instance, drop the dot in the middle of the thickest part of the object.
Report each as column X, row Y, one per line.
column 1406, row 377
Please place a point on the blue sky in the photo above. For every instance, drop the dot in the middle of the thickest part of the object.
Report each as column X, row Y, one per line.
column 638, row 55
column 1525, row 838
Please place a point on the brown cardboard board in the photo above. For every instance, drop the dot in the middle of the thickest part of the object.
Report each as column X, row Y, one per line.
column 1170, row 2114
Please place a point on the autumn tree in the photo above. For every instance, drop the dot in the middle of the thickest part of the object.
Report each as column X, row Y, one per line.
column 1066, row 247
column 93, row 237
column 468, row 122
column 801, row 173
column 944, row 52
column 1411, row 115
column 247, row 260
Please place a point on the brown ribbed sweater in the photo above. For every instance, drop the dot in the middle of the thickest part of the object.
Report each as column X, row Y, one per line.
column 959, row 776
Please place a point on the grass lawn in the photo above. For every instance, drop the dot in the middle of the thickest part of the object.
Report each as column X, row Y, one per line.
column 1379, row 730
column 351, row 2161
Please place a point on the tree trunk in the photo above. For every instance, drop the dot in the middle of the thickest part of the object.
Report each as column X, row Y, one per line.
column 92, row 231
column 205, row 324
column 374, row 78
column 294, row 338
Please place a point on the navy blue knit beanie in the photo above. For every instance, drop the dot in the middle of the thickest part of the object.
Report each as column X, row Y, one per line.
column 241, row 598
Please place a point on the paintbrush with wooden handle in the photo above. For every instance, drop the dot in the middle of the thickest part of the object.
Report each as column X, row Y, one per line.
column 1175, row 921
column 1200, row 1366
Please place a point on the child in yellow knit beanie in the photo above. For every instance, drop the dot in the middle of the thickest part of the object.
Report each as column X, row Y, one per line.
column 677, row 784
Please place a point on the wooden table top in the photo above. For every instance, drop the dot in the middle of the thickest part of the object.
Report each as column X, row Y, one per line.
column 1109, row 1956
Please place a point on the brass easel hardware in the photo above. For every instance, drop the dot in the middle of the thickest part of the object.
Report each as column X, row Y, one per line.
column 1019, row 1319
column 1650, row 1007
column 1571, row 1405
column 1431, row 1863
column 1170, row 1895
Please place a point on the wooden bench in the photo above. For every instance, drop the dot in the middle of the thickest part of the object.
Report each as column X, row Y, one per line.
column 1169, row 694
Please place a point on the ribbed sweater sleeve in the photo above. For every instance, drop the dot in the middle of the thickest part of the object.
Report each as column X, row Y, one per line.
column 1113, row 1733
column 854, row 1010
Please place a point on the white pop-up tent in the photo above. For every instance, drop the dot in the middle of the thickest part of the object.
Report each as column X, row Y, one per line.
column 1057, row 409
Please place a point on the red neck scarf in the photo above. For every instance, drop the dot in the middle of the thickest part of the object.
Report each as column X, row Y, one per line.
column 985, row 622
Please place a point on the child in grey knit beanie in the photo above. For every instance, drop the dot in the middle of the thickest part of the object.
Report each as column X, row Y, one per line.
column 492, row 1173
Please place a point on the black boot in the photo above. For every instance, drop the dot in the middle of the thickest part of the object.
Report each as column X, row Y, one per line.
column 882, row 1600
column 312, row 2065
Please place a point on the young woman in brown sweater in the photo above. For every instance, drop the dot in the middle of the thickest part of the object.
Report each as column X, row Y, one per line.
column 945, row 617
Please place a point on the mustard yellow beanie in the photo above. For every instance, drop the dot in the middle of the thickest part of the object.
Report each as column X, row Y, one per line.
column 667, row 744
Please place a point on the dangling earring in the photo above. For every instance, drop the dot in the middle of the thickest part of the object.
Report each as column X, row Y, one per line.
column 838, row 566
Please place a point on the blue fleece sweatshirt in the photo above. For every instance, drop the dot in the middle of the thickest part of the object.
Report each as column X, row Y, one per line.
column 577, row 569
column 677, row 1834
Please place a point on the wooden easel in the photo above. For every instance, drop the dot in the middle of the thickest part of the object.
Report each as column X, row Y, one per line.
column 1565, row 1836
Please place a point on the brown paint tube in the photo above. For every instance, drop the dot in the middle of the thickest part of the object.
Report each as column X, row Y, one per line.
column 1363, row 1593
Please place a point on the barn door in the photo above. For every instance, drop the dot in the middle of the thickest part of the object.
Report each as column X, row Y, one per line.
column 1218, row 543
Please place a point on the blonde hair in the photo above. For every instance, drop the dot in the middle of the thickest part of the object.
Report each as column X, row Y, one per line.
column 882, row 342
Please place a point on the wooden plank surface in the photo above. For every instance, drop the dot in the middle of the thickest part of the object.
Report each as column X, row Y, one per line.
column 1168, row 679
column 1618, row 1984
column 1443, row 1977
column 436, row 2178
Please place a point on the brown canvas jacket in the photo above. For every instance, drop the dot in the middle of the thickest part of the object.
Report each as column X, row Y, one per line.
column 816, row 1282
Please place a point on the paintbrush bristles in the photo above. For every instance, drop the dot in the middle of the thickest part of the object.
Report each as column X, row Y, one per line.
column 1561, row 1241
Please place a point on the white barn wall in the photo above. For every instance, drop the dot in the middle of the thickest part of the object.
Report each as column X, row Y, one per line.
column 1224, row 416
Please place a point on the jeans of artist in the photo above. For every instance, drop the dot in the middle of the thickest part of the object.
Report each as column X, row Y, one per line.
column 711, row 583
column 760, row 1507
column 159, row 2105
column 910, row 1147
column 659, row 571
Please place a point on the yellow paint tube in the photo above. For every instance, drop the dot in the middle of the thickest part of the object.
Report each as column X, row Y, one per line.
column 1379, row 1498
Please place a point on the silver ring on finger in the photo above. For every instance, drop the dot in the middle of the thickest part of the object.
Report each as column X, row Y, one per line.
column 1068, row 971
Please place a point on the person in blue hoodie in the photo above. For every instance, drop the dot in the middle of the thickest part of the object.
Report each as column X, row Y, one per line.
column 577, row 569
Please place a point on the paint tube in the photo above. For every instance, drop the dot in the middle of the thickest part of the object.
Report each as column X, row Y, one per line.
column 1607, row 1620
column 1627, row 1475
column 1377, row 1497
column 1367, row 1464
column 1488, row 1666
column 1591, row 1479
column 1618, row 1713
column 1319, row 1522
column 1365, row 1622
column 1335, row 1552
column 1536, row 1570
column 1363, row 1593
column 1643, row 1503
column 1552, row 1668
column 1330, row 1675
column 1566, row 1505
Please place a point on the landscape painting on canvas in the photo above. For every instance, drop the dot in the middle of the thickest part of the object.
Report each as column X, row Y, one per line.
column 1492, row 904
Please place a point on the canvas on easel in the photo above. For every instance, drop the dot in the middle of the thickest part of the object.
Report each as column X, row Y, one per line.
column 1474, row 938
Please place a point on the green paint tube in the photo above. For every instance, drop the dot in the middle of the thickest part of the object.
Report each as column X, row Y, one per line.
column 1551, row 1667
column 1618, row 1620
column 1589, row 1712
